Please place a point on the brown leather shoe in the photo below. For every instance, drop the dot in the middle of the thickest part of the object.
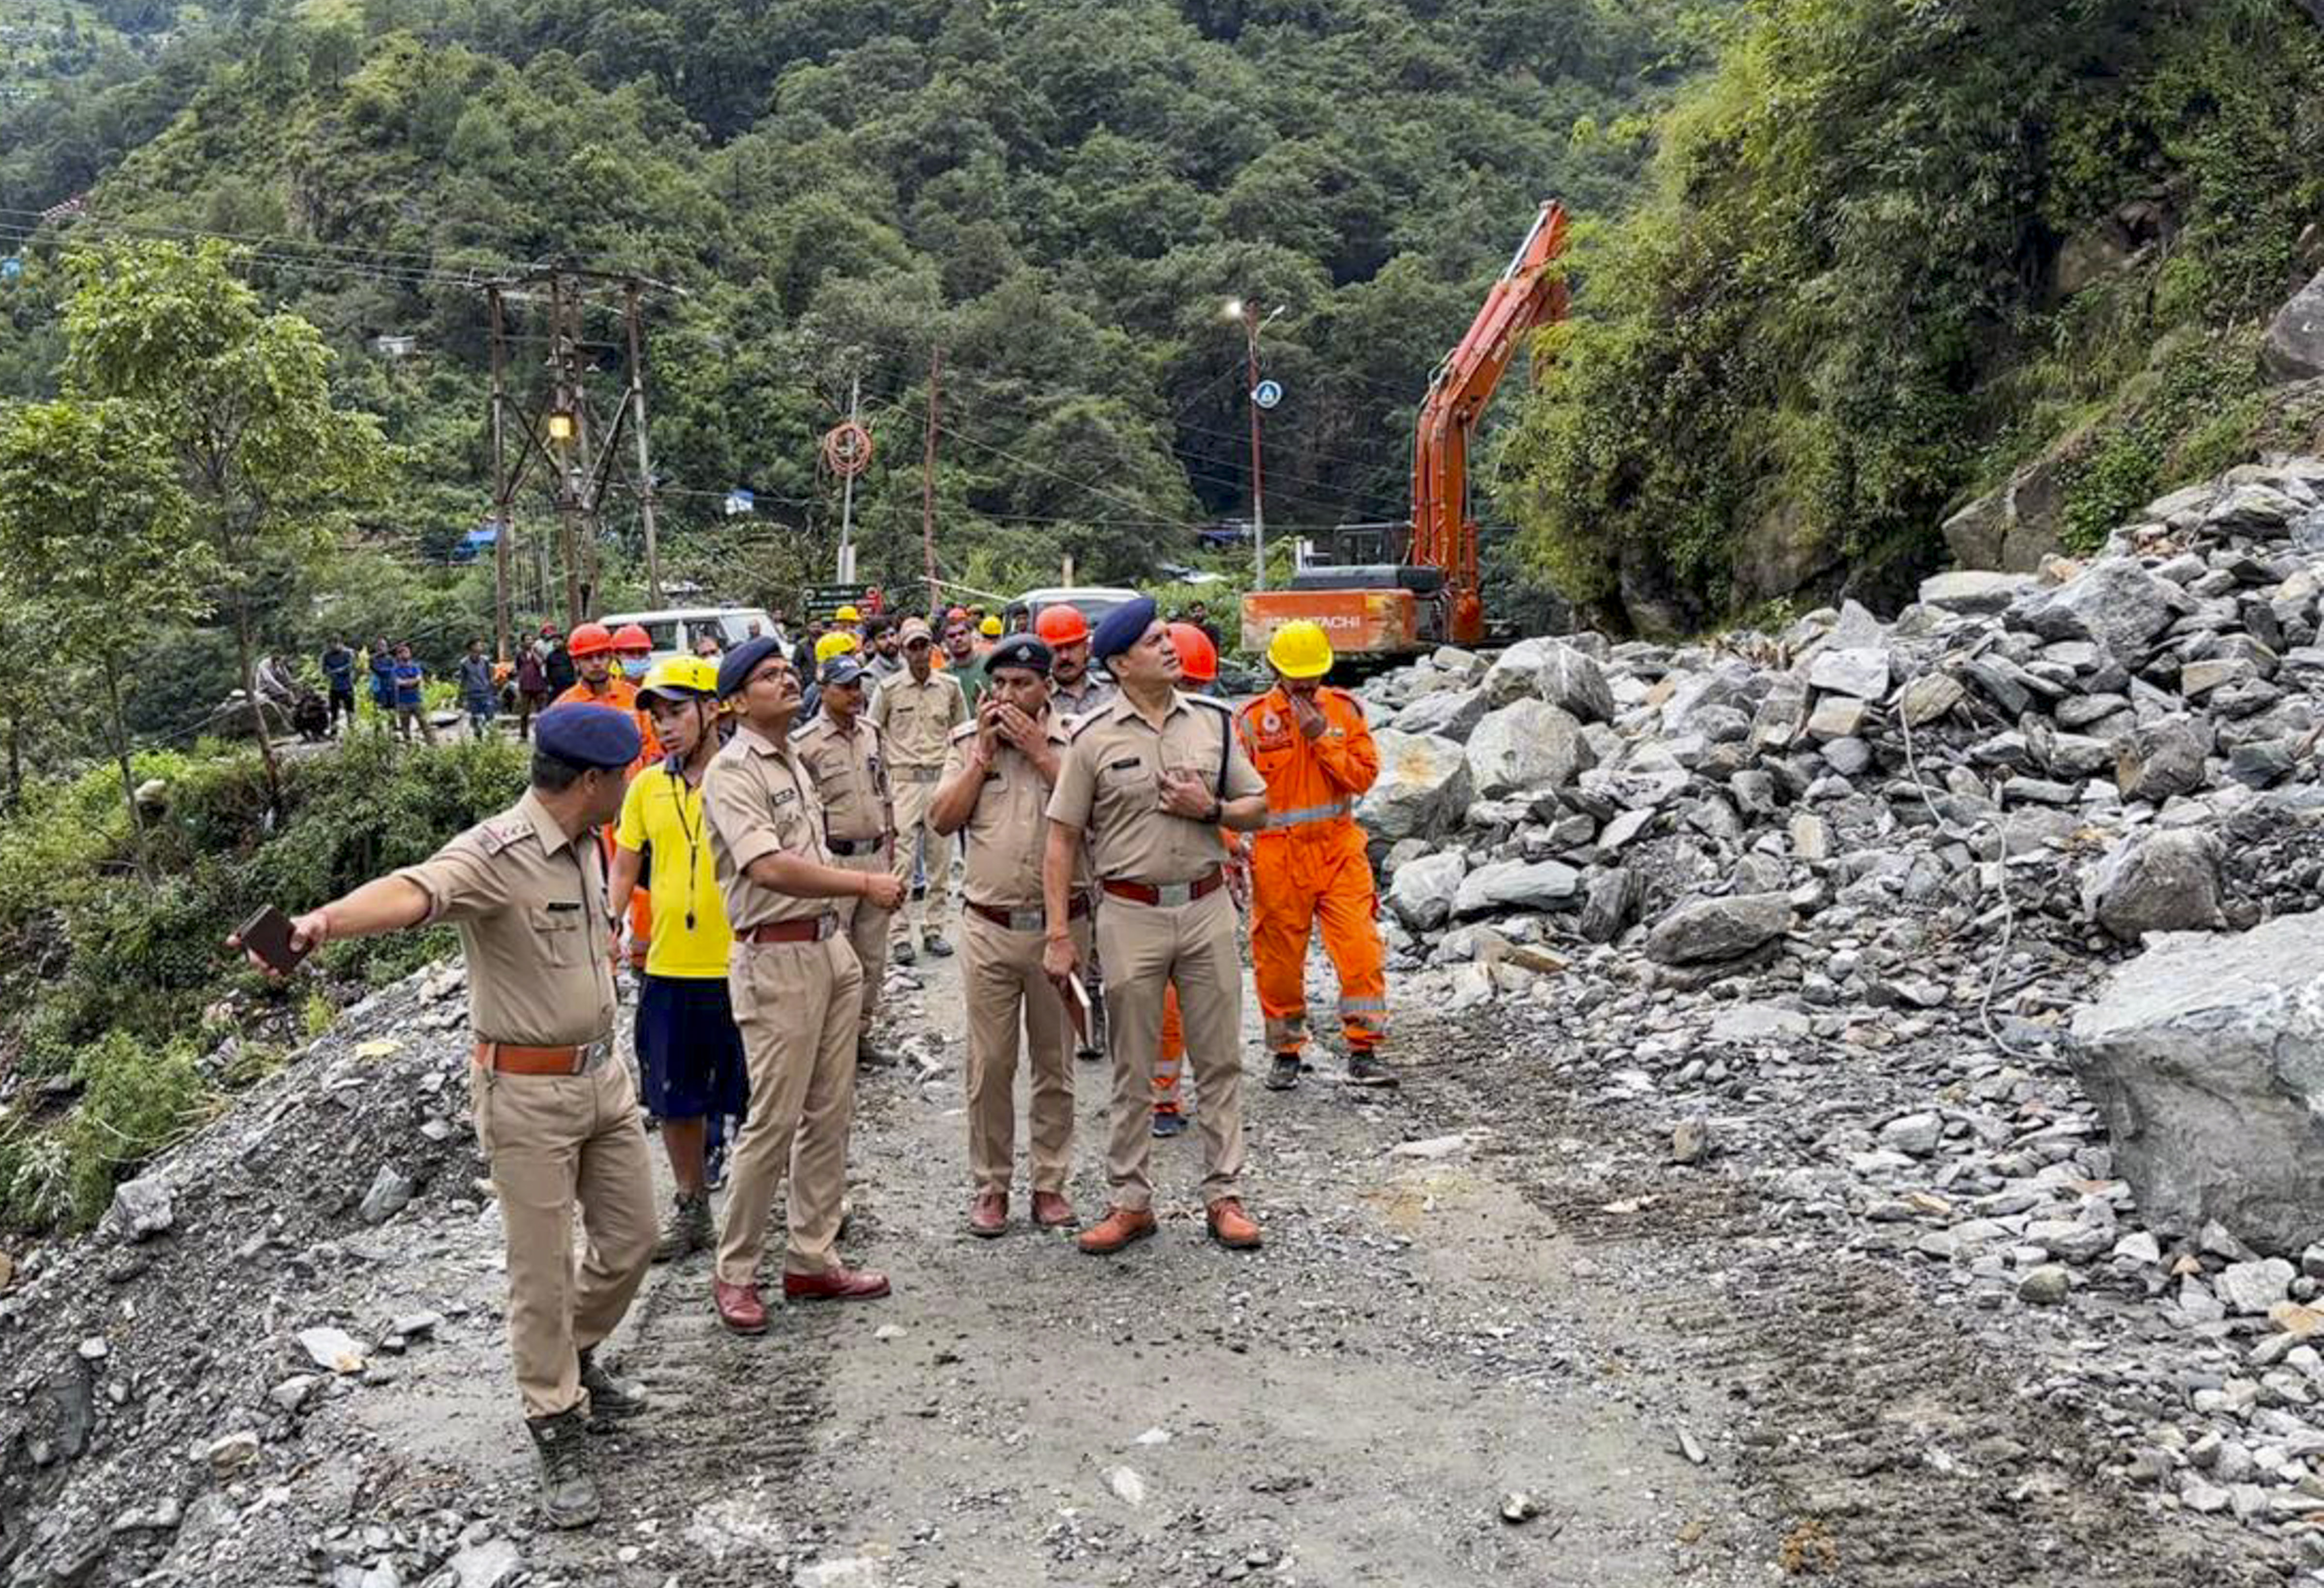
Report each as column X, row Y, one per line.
column 1230, row 1226
column 1051, row 1211
column 1118, row 1228
column 739, row 1306
column 837, row 1285
column 987, row 1214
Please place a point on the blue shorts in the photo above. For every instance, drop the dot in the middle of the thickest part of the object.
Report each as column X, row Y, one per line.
column 689, row 1050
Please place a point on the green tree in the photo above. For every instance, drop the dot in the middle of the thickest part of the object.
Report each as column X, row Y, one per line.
column 241, row 400
column 97, row 537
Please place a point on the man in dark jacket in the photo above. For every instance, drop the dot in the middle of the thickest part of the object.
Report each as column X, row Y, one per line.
column 557, row 661
column 339, row 676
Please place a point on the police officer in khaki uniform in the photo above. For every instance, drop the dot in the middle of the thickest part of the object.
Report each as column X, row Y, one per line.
column 794, row 983
column 996, row 785
column 1150, row 779
column 554, row 1114
column 915, row 713
column 844, row 754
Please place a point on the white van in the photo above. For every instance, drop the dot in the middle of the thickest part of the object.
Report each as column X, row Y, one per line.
column 1093, row 600
column 674, row 629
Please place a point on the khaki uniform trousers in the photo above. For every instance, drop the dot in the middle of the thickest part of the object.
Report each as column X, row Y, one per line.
column 867, row 934
column 1004, row 980
column 552, row 1141
column 794, row 1003
column 912, row 800
column 1146, row 947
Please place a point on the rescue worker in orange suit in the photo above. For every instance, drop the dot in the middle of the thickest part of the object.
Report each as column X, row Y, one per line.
column 1198, row 660
column 1311, row 744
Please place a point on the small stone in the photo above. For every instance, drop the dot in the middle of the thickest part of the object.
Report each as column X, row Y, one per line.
column 2045, row 1285
column 231, row 1451
column 142, row 1207
column 1517, row 1508
column 2200, row 1495
column 333, row 1349
column 1914, row 1133
column 95, row 1349
column 2250, row 1289
column 485, row 1563
column 1691, row 1139
column 1127, row 1485
column 390, row 1189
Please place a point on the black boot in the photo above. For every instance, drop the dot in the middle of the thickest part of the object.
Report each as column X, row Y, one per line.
column 611, row 1400
column 568, row 1494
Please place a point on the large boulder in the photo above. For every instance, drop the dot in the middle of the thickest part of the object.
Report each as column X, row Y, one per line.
column 1422, row 889
column 1516, row 884
column 1448, row 714
column 1527, row 745
column 1707, row 930
column 2162, row 758
column 2294, row 348
column 2165, row 881
column 1423, row 786
column 2206, row 1055
column 1974, row 590
column 1554, row 672
column 2114, row 603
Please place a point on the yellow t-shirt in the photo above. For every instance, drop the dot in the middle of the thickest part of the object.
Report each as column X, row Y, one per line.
column 661, row 814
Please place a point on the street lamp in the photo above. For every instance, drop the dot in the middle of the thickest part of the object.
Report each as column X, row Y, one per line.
column 1246, row 310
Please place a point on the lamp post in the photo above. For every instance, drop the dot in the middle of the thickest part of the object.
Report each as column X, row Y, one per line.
column 1246, row 311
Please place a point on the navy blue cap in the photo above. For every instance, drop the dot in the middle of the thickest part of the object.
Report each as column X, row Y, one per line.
column 1122, row 628
column 1025, row 651
column 843, row 669
column 735, row 668
column 581, row 734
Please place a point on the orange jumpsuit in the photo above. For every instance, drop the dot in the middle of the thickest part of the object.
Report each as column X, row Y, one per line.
column 622, row 693
column 1308, row 865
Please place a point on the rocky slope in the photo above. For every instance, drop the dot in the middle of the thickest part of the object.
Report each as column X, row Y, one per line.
column 1822, row 904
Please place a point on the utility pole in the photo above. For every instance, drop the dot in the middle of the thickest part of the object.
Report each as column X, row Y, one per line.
column 1246, row 311
column 847, row 493
column 638, row 429
column 928, row 475
column 503, row 484
column 577, row 464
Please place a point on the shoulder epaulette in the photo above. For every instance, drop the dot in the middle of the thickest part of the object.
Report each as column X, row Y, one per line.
column 961, row 731
column 1349, row 695
column 1076, row 727
column 500, row 831
column 1214, row 702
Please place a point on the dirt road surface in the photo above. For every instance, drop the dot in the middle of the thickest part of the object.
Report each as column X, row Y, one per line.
column 1476, row 1298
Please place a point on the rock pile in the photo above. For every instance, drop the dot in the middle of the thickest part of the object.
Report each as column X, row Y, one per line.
column 1820, row 906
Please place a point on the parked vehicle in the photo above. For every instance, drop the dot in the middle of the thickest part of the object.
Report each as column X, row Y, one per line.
column 1093, row 600
column 675, row 630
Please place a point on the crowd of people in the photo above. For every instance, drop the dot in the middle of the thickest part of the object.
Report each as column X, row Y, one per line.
column 757, row 833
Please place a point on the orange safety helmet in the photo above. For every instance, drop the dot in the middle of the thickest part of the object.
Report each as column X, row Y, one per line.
column 1062, row 624
column 631, row 639
column 1198, row 658
column 588, row 639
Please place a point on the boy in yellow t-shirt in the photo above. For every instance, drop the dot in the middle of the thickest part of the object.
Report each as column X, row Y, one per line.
column 689, row 1052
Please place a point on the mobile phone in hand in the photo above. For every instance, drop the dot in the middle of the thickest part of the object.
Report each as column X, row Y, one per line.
column 267, row 935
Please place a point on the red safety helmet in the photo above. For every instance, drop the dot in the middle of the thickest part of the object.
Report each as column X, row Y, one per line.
column 1061, row 624
column 589, row 640
column 1198, row 658
column 631, row 639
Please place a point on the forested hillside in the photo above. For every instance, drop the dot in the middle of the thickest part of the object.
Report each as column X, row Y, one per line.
column 1059, row 195
column 1892, row 253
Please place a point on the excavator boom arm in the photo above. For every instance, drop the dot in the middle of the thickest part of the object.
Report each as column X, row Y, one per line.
column 1528, row 294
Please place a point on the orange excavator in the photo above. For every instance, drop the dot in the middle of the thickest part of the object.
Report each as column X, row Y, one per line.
column 1388, row 591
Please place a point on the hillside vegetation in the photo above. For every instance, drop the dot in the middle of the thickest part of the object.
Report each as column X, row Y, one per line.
column 1892, row 249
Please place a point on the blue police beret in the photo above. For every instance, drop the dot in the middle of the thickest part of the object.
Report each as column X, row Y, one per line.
column 581, row 735
column 734, row 669
column 842, row 670
column 1025, row 651
column 1122, row 628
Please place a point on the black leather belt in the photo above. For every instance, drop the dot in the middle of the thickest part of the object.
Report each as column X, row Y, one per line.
column 854, row 846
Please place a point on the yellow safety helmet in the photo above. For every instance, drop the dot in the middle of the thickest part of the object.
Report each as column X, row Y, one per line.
column 847, row 615
column 990, row 628
column 1300, row 650
column 682, row 678
column 832, row 645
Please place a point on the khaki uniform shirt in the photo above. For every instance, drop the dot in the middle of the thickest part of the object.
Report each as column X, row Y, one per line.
column 1083, row 698
column 1110, row 787
column 851, row 778
column 759, row 801
column 916, row 718
column 1005, row 830
column 530, row 907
